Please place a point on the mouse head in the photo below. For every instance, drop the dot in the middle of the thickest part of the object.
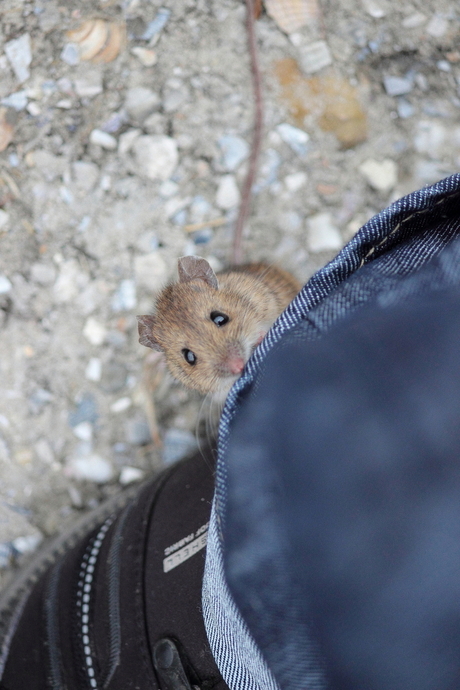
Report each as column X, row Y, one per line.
column 200, row 327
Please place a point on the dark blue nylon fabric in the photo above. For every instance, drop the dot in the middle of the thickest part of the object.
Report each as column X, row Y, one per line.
column 408, row 249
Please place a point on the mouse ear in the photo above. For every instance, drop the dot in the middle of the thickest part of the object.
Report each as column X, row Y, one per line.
column 195, row 268
column 145, row 325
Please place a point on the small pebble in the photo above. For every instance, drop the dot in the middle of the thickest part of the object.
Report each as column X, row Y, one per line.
column 228, row 194
column 168, row 188
column 443, row 66
column 146, row 57
column 413, row 20
column 405, row 109
column 124, row 298
column 156, row 25
column 322, row 233
column 70, row 54
column 121, row 405
column 294, row 137
column 27, row 544
column 381, row 175
column 437, row 26
column 151, row 271
column 19, row 54
column 18, row 100
column 89, row 85
column 315, row 56
column 375, row 9
column 5, row 285
column 127, row 139
column 295, row 181
column 397, row 86
column 93, row 369
column 83, row 431
column 94, row 331
column 234, row 151
column 103, row 139
column 128, row 475
column 91, row 467
column 141, row 101
column 156, row 156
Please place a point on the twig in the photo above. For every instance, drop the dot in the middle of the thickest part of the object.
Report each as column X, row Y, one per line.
column 214, row 223
column 257, row 136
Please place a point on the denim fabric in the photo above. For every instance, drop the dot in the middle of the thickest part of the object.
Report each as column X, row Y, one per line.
column 405, row 250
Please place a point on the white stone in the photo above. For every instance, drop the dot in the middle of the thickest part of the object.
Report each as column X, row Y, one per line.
column 151, row 271
column 4, row 218
column 103, row 139
column 42, row 273
column 323, row 235
column 70, row 54
column 234, row 151
column 17, row 100
column 70, row 281
column 5, row 285
column 141, row 101
column 295, row 181
column 64, row 104
column 146, row 57
column 228, row 194
column 131, row 474
column 94, row 331
column 397, row 86
column 294, row 137
column 381, row 175
column 430, row 137
column 377, row 10
column 156, row 156
column 127, row 139
column 19, row 54
column 92, row 467
column 90, row 84
column 93, row 369
column 28, row 543
column 437, row 26
column 168, row 189
column 413, row 20
column 315, row 56
column 83, row 431
column 121, row 405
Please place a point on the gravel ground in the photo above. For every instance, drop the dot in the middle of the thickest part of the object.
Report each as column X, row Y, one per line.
column 112, row 167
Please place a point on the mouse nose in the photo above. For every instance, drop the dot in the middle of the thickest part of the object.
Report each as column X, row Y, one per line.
column 235, row 364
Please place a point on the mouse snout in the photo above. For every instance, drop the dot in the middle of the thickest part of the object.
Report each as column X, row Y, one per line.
column 232, row 364
column 235, row 364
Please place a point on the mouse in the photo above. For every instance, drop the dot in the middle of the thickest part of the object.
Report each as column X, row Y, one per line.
column 208, row 324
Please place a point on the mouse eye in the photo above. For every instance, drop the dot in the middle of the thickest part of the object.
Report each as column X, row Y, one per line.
column 189, row 356
column 219, row 318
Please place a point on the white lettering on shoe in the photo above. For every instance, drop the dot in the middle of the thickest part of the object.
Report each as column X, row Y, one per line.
column 183, row 549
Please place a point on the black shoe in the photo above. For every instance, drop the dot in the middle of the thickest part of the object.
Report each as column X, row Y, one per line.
column 121, row 608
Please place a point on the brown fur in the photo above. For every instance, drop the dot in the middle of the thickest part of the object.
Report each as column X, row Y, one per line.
column 252, row 296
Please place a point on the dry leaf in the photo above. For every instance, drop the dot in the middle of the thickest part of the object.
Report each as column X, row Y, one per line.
column 98, row 40
column 330, row 99
column 291, row 15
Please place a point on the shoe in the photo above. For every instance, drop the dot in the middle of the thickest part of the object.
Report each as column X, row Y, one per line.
column 116, row 603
